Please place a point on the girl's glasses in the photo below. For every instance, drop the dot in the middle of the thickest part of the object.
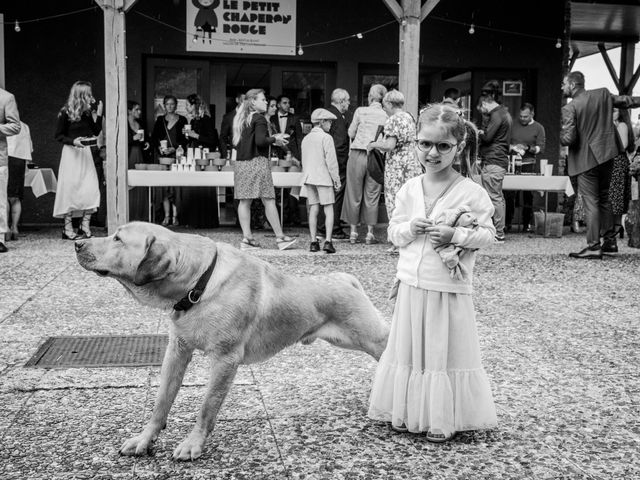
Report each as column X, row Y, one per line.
column 442, row 147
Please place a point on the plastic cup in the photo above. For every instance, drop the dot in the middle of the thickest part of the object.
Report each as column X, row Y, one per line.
column 163, row 144
column 140, row 132
column 548, row 170
column 543, row 166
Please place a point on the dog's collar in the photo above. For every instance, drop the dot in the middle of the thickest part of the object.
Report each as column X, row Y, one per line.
column 193, row 296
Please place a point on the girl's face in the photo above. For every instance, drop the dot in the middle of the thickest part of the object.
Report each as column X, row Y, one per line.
column 170, row 106
column 436, row 147
column 260, row 103
column 273, row 106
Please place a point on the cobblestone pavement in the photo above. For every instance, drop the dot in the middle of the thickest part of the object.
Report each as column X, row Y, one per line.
column 560, row 342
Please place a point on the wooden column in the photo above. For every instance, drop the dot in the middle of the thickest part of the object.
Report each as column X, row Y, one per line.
column 115, row 68
column 627, row 57
column 409, row 71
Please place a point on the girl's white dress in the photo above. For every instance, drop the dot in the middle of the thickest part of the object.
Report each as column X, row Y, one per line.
column 430, row 376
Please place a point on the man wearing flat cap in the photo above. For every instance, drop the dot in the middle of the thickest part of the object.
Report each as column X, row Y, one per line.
column 320, row 176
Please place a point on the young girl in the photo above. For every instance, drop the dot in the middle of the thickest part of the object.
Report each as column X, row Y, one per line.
column 430, row 377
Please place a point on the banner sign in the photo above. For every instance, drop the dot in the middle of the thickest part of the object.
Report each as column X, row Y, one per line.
column 241, row 26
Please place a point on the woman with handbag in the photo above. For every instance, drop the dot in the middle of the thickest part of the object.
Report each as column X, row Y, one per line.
column 252, row 170
column 362, row 192
column 399, row 138
column 166, row 138
column 78, row 192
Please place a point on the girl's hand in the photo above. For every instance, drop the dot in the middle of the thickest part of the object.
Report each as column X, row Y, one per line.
column 440, row 234
column 419, row 226
column 281, row 140
column 77, row 142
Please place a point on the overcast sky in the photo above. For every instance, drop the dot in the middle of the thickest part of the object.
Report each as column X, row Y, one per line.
column 596, row 73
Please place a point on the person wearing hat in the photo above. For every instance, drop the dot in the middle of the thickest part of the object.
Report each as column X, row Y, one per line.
column 320, row 176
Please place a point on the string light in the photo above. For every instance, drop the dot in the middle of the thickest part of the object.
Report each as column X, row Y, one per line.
column 472, row 29
column 195, row 38
column 558, row 43
column 17, row 27
column 359, row 35
column 300, row 51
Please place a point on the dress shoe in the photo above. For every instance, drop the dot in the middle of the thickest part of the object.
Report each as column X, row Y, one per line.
column 609, row 246
column 314, row 247
column 3, row 248
column 594, row 252
column 339, row 235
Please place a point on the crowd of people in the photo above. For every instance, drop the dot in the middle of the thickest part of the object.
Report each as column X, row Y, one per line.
column 593, row 117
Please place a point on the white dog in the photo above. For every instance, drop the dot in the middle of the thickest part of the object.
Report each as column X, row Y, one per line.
column 236, row 308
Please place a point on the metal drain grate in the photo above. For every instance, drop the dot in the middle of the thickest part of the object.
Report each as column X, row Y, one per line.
column 100, row 351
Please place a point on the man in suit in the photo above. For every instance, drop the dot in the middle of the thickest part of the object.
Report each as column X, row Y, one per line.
column 226, row 128
column 9, row 125
column 285, row 122
column 588, row 131
column 339, row 132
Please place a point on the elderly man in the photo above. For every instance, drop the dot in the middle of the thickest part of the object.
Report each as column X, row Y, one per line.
column 339, row 132
column 528, row 141
column 9, row 125
column 588, row 131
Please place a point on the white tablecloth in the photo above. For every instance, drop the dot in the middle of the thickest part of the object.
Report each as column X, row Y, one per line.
column 538, row 183
column 155, row 178
column 41, row 181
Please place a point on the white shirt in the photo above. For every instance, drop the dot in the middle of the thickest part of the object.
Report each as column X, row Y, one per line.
column 20, row 145
column 282, row 120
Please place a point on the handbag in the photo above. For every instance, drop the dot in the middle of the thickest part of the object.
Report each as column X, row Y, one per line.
column 375, row 161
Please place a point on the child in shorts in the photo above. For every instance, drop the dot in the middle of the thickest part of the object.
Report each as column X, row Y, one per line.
column 321, row 176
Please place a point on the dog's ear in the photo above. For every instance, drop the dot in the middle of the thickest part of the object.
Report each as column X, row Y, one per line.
column 155, row 263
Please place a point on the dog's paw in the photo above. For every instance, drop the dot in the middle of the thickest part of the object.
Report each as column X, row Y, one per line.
column 190, row 448
column 141, row 444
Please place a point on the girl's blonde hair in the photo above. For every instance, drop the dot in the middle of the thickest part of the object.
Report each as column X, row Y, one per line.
column 200, row 109
column 452, row 119
column 79, row 101
column 245, row 114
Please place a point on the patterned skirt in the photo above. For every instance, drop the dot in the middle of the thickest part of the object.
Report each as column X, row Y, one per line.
column 620, row 186
column 252, row 179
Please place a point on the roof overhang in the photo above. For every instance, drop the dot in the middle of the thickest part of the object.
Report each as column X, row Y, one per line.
column 609, row 22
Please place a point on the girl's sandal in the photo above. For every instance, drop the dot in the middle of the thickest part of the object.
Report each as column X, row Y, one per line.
column 438, row 436
column 249, row 244
column 400, row 429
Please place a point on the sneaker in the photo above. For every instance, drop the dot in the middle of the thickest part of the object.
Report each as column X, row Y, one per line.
column 249, row 244
column 328, row 247
column 370, row 239
column 499, row 239
column 285, row 242
column 314, row 246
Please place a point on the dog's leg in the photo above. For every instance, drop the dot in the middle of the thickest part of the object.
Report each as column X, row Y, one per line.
column 174, row 365
column 365, row 332
column 223, row 371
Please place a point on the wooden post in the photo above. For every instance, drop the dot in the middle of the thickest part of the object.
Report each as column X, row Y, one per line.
column 115, row 68
column 627, row 57
column 409, row 72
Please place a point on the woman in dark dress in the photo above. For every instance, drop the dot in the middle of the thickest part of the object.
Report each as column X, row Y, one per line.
column 620, row 185
column 168, row 130
column 138, row 153
column 200, row 204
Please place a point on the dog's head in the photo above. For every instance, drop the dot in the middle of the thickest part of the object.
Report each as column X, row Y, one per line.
column 136, row 254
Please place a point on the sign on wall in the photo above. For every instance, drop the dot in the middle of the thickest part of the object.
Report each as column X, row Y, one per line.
column 241, row 26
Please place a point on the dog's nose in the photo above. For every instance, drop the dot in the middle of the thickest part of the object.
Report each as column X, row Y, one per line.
column 79, row 244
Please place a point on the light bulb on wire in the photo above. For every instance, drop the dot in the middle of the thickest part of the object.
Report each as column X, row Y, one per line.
column 17, row 27
column 195, row 38
column 300, row 51
column 472, row 29
column 359, row 35
column 558, row 43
